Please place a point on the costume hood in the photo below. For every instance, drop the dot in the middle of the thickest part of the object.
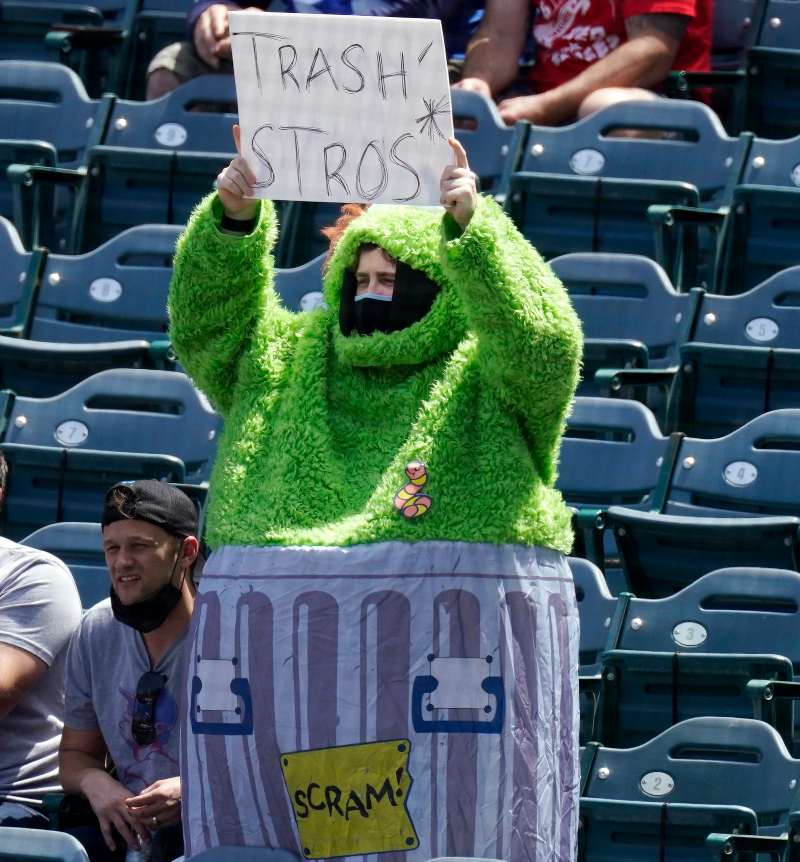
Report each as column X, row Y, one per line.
column 413, row 236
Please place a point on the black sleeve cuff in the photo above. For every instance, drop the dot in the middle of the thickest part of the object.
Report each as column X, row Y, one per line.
column 233, row 225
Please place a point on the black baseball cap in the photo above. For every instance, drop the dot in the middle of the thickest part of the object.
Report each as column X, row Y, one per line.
column 150, row 500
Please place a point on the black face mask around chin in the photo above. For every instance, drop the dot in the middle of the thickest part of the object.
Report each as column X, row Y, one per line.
column 411, row 300
column 149, row 614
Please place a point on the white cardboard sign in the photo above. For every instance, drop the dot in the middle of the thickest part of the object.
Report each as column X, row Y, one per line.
column 342, row 107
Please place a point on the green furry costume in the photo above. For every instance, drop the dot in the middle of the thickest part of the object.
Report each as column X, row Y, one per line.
column 319, row 427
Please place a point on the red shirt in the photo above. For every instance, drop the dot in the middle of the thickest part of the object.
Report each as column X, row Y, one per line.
column 572, row 34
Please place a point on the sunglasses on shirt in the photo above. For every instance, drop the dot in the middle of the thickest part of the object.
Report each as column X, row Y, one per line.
column 143, row 723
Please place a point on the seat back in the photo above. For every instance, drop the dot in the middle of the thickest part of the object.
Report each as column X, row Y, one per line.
column 130, row 186
column 691, row 147
column 245, row 854
column 118, row 291
column 195, row 117
column 48, row 484
column 39, row 845
column 612, row 452
column 743, row 358
column 754, row 471
column 733, row 32
column 16, row 280
column 124, row 410
column 708, row 761
column 46, row 102
column 625, row 296
column 80, row 546
column 491, row 145
column 685, row 655
column 780, row 25
column 300, row 288
column 764, row 210
column 711, row 614
column 596, row 608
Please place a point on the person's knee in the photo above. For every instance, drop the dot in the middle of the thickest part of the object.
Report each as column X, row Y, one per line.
column 160, row 82
column 606, row 96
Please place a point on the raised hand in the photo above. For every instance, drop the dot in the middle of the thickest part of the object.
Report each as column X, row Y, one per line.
column 235, row 185
column 458, row 186
column 211, row 37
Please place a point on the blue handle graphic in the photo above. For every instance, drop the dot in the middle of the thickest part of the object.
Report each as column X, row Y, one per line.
column 241, row 688
column 424, row 685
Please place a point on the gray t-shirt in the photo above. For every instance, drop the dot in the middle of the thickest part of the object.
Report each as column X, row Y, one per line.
column 104, row 664
column 39, row 610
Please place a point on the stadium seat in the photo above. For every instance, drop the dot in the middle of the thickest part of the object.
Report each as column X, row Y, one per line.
column 123, row 410
column 742, row 358
column 632, row 316
column 694, row 653
column 774, row 66
column 39, row 845
column 65, row 452
column 596, row 606
column 662, row 799
column 46, row 120
column 195, row 117
column 300, row 289
column 44, row 368
column 86, row 36
column 20, row 272
column 578, row 188
column 301, row 239
column 80, row 546
column 492, row 147
column 116, row 292
column 764, row 221
column 612, row 453
column 729, row 501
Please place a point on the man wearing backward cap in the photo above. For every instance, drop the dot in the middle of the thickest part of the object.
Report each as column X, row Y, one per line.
column 125, row 673
column 385, row 638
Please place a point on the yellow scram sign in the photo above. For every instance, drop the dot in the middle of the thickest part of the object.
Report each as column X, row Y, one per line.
column 351, row 800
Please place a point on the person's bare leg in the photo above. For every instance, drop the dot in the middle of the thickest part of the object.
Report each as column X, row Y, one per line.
column 160, row 82
column 607, row 96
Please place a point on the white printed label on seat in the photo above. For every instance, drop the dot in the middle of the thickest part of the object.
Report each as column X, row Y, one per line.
column 216, row 676
column 459, row 683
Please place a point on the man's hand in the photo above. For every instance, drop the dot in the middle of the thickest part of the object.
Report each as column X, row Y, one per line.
column 108, row 799
column 458, row 187
column 211, row 38
column 474, row 85
column 159, row 804
column 235, row 185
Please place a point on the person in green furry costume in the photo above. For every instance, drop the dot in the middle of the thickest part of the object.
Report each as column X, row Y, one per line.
column 420, row 459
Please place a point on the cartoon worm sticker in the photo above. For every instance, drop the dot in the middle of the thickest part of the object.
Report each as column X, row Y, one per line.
column 408, row 500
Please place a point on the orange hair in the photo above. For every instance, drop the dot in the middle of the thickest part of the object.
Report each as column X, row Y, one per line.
column 334, row 232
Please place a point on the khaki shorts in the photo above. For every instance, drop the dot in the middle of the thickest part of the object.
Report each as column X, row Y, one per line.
column 182, row 60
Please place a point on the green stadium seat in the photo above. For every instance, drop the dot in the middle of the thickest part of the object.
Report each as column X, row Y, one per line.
column 580, row 188
column 116, row 292
column 660, row 800
column 764, row 216
column 729, row 501
column 694, row 653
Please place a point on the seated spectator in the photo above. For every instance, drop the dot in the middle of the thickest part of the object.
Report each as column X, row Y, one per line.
column 207, row 48
column 125, row 673
column 39, row 610
column 588, row 54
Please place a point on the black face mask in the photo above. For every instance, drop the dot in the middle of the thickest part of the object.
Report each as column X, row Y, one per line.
column 411, row 300
column 149, row 614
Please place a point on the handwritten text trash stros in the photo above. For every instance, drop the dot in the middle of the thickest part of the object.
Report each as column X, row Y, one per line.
column 342, row 108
